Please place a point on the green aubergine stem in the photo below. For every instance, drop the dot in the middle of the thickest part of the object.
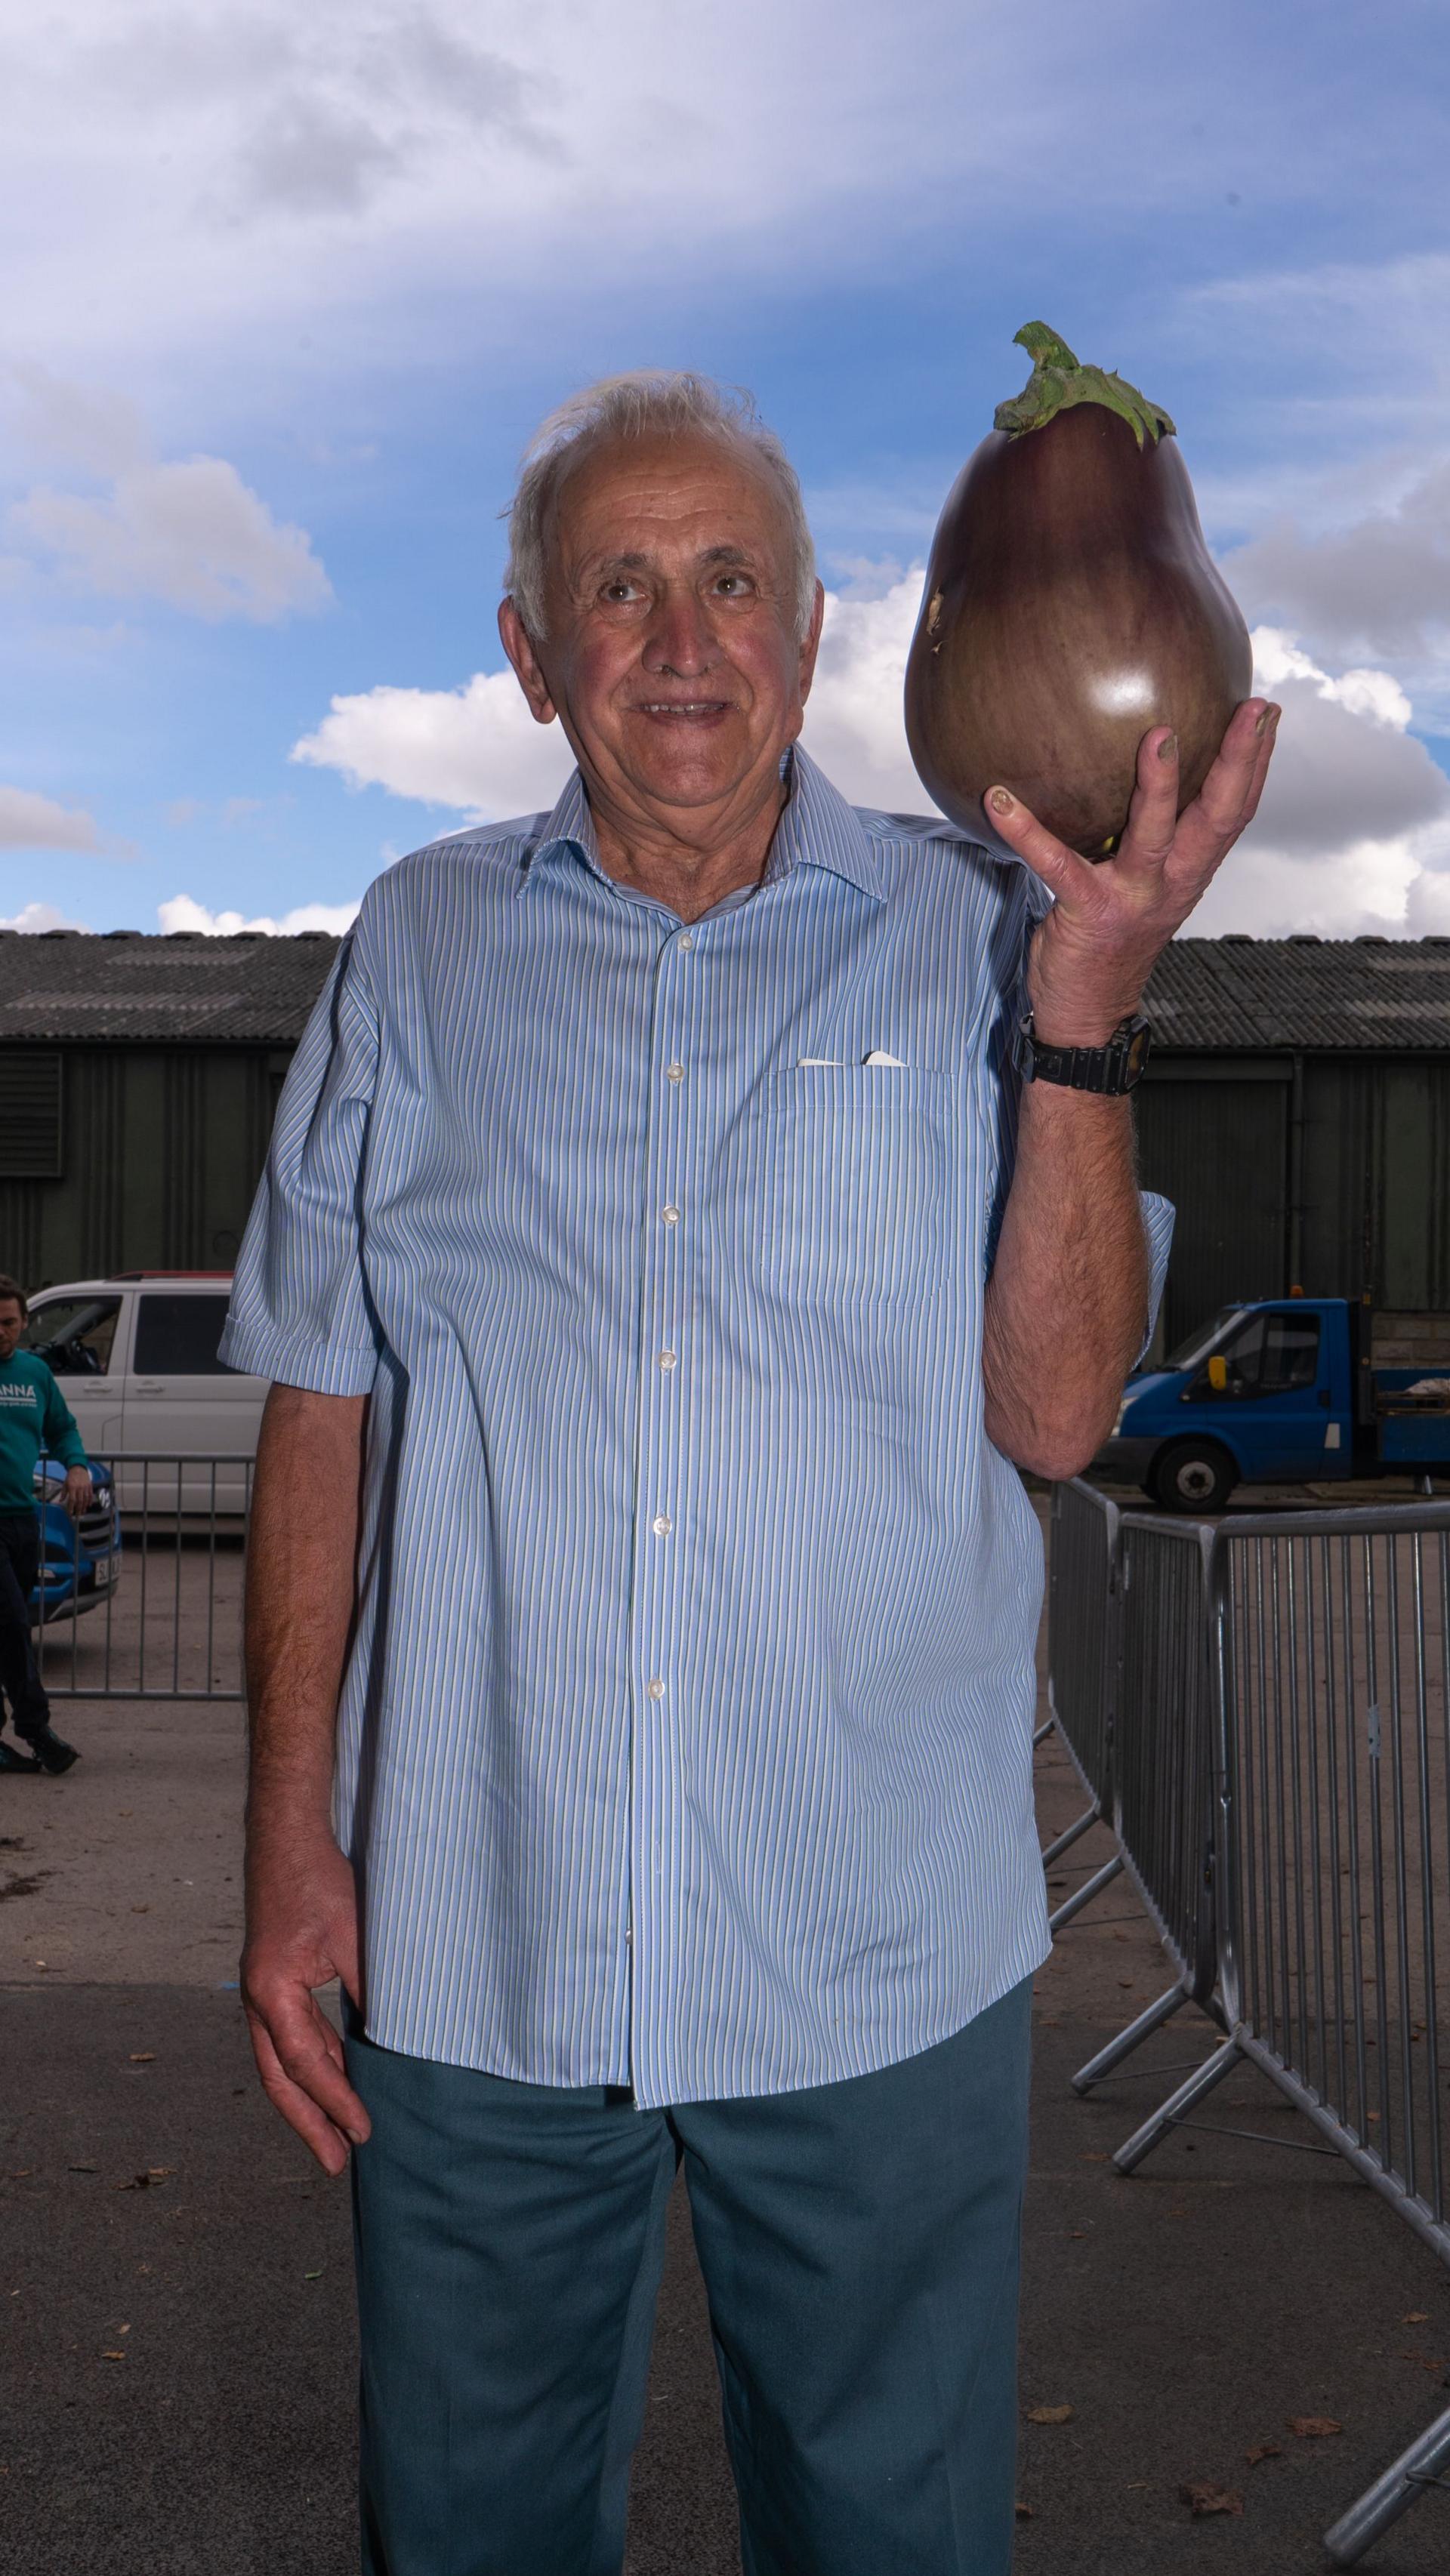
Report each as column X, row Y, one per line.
column 1058, row 381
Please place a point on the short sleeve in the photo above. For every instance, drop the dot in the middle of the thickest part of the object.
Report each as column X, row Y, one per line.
column 1158, row 1220
column 300, row 1310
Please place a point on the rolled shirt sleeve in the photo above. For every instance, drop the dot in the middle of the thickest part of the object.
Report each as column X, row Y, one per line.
column 300, row 1310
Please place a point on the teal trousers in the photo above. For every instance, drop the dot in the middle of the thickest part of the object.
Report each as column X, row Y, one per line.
column 859, row 2244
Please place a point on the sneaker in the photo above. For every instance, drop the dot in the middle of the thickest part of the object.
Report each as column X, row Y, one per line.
column 52, row 1751
column 10, row 1760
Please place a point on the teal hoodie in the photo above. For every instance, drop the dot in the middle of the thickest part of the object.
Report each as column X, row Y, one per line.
column 35, row 1421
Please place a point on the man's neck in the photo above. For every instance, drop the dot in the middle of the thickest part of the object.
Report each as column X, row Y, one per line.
column 689, row 876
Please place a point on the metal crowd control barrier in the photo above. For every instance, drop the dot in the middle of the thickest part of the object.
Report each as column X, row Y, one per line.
column 1163, row 1798
column 141, row 1598
column 1081, row 1664
column 1306, row 1897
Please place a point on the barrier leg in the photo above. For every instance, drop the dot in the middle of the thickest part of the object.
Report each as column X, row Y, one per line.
column 1090, row 1888
column 1422, row 2465
column 1127, row 2040
column 1178, row 2105
column 1082, row 1824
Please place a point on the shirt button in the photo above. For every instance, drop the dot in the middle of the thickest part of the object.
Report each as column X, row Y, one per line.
column 669, row 1216
column 686, row 944
column 662, row 1525
column 667, row 1361
column 674, row 1072
column 656, row 1688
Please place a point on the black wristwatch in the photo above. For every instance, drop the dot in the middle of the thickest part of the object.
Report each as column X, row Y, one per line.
column 1111, row 1069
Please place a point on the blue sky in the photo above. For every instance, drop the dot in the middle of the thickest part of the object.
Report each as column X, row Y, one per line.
column 294, row 287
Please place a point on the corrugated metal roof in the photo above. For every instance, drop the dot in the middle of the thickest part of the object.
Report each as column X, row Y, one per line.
column 1248, row 995
column 1304, row 993
column 142, row 990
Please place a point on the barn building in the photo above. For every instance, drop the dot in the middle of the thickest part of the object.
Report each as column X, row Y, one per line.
column 1297, row 1110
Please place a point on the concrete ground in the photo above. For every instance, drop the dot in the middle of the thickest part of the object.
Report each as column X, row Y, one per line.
column 174, row 2292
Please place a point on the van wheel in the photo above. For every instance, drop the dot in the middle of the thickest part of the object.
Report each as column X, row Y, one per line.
column 1193, row 1476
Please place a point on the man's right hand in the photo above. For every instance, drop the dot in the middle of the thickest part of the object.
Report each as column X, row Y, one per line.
column 302, row 1931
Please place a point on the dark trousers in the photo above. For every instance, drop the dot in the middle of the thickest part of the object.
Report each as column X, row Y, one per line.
column 19, row 1679
column 859, row 2244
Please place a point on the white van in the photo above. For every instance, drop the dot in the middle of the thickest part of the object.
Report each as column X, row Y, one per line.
column 136, row 1356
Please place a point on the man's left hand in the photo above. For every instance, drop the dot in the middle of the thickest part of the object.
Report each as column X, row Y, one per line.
column 1111, row 918
column 80, row 1493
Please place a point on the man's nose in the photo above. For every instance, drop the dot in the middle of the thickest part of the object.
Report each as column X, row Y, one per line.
column 680, row 638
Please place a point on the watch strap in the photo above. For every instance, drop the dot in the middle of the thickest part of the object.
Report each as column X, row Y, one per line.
column 1109, row 1070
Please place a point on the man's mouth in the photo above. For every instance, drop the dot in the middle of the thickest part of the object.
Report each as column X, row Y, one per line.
column 691, row 710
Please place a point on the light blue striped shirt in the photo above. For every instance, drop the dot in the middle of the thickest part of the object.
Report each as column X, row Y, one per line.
column 686, row 1738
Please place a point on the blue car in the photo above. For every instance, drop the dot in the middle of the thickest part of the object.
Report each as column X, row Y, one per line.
column 80, row 1561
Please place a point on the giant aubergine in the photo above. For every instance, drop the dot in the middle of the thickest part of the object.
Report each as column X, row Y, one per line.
column 1070, row 603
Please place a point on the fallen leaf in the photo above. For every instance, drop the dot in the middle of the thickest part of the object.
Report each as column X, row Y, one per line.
column 140, row 1909
column 148, row 2181
column 1126, row 1982
column 1264, row 2451
column 1313, row 2427
column 1077, row 2231
column 83, row 2168
column 1416, row 2317
column 1089, row 2158
column 113, row 2356
column 143, row 2057
column 1201, row 2498
column 23, row 2173
column 314, row 2276
column 1025, row 2512
column 1049, row 2414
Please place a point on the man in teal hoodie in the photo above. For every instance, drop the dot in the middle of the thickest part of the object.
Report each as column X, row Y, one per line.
column 35, row 1421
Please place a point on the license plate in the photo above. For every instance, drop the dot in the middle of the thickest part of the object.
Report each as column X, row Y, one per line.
column 105, row 1570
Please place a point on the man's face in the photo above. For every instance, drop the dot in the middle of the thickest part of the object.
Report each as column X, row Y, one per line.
column 671, row 655
column 12, row 1325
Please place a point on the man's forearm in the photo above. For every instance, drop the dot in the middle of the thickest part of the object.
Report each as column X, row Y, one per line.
column 301, row 1579
column 1068, row 1296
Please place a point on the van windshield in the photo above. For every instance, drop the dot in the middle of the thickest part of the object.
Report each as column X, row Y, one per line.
column 1205, row 1338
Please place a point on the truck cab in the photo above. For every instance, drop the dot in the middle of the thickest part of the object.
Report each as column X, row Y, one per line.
column 1286, row 1390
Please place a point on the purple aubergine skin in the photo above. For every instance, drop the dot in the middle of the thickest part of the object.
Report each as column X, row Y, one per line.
column 1070, row 604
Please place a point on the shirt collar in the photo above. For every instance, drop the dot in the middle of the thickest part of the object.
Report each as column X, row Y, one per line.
column 817, row 829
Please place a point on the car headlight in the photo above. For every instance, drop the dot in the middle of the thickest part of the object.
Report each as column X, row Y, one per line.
column 1118, row 1417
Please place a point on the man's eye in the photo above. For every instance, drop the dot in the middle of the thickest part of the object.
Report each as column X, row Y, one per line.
column 734, row 584
column 620, row 589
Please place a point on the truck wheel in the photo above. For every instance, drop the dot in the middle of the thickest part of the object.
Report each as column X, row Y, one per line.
column 1193, row 1476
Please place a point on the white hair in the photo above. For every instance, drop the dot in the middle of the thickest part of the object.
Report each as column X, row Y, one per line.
column 650, row 401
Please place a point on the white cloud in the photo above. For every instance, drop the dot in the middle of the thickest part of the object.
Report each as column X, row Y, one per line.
column 1354, row 829
column 190, row 532
column 35, row 917
column 31, row 822
column 854, row 725
column 1379, row 585
column 182, row 912
column 475, row 748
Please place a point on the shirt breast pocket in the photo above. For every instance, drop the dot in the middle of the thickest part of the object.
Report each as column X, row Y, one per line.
column 843, row 1183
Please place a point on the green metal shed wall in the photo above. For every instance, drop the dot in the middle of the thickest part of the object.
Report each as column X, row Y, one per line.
column 161, row 1148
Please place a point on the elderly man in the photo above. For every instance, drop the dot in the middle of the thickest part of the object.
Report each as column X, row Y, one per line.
column 665, row 1268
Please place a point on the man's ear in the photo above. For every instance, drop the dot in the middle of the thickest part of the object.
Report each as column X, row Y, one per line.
column 518, row 644
column 812, row 642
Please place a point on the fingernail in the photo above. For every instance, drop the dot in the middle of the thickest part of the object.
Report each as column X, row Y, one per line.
column 1269, row 717
column 1168, row 747
column 999, row 800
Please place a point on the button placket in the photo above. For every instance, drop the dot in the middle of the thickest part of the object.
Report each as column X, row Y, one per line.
column 673, row 1148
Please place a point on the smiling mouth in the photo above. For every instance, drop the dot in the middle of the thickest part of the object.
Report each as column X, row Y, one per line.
column 692, row 709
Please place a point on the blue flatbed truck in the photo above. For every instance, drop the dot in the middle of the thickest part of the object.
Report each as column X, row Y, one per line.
column 1286, row 1390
